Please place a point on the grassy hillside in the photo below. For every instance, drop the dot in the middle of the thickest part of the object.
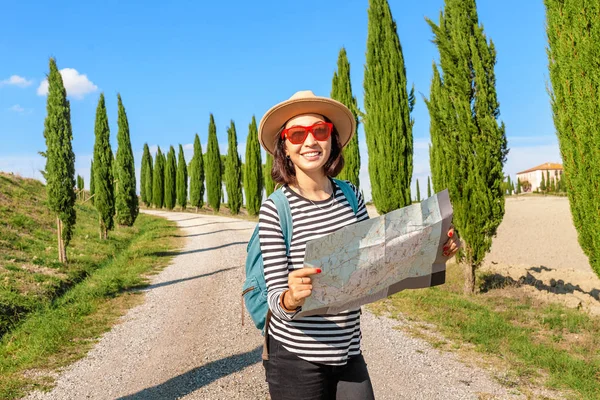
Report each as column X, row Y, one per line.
column 49, row 310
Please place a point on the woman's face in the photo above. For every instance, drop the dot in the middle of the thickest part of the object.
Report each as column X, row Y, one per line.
column 311, row 155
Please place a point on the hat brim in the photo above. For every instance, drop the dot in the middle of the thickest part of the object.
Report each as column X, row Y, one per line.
column 340, row 116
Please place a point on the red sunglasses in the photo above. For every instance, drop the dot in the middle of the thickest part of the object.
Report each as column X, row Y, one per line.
column 297, row 134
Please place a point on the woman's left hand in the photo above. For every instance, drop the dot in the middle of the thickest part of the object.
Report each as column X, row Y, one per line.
column 452, row 245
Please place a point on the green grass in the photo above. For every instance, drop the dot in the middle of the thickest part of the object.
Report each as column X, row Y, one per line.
column 536, row 341
column 51, row 313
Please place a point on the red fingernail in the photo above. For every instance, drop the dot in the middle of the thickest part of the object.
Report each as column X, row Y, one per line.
column 451, row 233
column 445, row 248
column 318, row 270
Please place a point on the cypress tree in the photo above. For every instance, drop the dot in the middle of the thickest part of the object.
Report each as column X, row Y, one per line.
column 548, row 180
column 158, row 180
column 341, row 90
column 182, row 179
column 103, row 171
column 439, row 108
column 543, row 183
column 197, row 176
column 92, row 184
column 60, row 160
column 233, row 179
column 143, row 170
column 519, row 189
column 428, row 187
column 126, row 204
column 418, row 192
column 79, row 186
column 469, row 145
column 253, row 179
column 213, row 168
column 170, row 180
column 146, row 177
column 573, row 28
column 149, row 180
column 508, row 185
column 267, row 178
column 388, row 104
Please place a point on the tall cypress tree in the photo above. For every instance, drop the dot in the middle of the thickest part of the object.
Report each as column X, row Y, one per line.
column 388, row 104
column 213, row 167
column 341, row 90
column 170, row 180
column 158, row 180
column 468, row 145
column 573, row 28
column 146, row 176
column 126, row 206
column 253, row 179
column 79, row 186
column 267, row 179
column 543, row 183
column 233, row 179
column 418, row 192
column 440, row 114
column 92, row 184
column 60, row 160
column 197, row 176
column 519, row 189
column 103, row 171
column 182, row 180
column 509, row 185
column 428, row 187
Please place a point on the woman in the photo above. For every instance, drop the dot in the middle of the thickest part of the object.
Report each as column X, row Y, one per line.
column 315, row 357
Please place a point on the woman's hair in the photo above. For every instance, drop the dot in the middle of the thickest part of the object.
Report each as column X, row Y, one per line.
column 283, row 171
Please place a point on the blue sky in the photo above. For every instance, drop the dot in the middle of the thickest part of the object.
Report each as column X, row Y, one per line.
column 175, row 62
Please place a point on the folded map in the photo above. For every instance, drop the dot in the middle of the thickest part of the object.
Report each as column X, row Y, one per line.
column 372, row 259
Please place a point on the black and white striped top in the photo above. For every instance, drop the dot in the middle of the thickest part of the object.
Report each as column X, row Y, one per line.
column 325, row 339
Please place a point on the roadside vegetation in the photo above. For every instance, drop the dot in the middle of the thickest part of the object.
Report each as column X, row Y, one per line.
column 51, row 313
column 535, row 344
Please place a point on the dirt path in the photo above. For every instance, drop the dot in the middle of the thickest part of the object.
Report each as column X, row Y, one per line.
column 186, row 339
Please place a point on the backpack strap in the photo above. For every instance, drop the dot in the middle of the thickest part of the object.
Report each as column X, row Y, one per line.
column 285, row 221
column 285, row 216
column 349, row 193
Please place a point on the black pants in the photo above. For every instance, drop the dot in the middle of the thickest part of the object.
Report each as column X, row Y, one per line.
column 290, row 377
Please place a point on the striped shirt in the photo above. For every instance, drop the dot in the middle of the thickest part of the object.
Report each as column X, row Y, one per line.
column 325, row 339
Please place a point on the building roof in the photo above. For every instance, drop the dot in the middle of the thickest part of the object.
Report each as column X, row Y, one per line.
column 543, row 167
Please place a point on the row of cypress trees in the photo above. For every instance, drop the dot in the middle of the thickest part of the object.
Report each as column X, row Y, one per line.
column 106, row 173
column 252, row 177
column 160, row 188
column 468, row 146
column 112, row 179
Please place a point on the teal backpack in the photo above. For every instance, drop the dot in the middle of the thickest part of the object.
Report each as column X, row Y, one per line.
column 254, row 290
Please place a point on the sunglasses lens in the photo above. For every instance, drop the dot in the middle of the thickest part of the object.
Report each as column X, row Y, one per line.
column 296, row 135
column 321, row 131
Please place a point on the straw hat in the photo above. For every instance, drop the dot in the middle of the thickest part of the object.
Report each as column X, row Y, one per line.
column 305, row 102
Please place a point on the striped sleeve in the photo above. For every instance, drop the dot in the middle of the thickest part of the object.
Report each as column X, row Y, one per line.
column 275, row 260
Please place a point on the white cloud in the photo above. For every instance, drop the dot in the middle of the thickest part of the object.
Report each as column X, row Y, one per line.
column 17, row 108
column 76, row 84
column 16, row 80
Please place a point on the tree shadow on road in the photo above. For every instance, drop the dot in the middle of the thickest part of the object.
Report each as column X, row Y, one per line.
column 210, row 233
column 196, row 378
column 177, row 253
column 499, row 281
column 211, row 223
column 161, row 284
column 185, row 219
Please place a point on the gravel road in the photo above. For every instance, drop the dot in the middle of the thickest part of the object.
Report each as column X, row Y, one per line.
column 186, row 339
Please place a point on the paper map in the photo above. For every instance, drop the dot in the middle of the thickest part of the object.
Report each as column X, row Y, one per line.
column 372, row 259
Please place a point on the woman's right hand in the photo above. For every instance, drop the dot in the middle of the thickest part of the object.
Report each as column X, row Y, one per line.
column 300, row 287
